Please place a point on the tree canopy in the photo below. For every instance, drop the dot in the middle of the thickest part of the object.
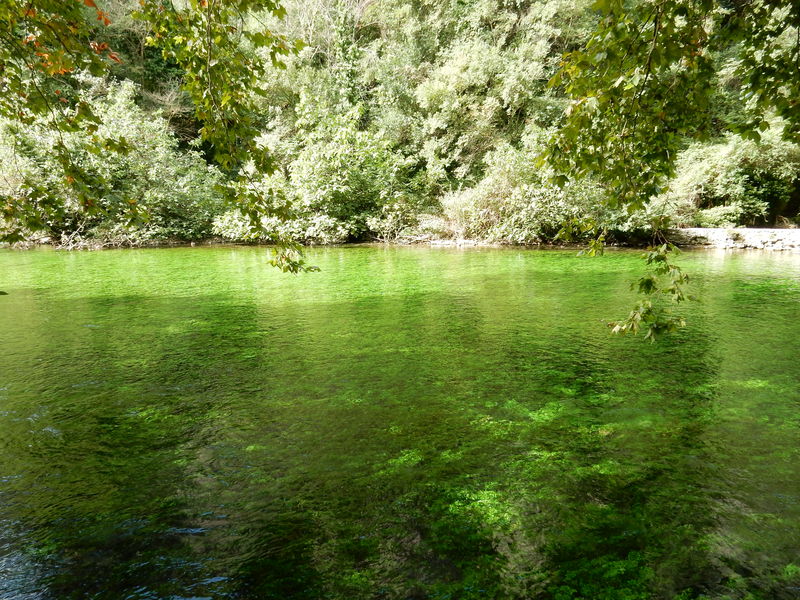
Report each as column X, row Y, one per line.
column 644, row 81
column 45, row 44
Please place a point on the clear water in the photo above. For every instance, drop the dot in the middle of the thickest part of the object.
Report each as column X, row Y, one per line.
column 408, row 423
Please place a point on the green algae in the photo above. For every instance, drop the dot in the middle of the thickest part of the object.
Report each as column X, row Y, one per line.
column 407, row 423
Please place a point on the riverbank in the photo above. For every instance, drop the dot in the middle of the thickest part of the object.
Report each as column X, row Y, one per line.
column 730, row 238
column 703, row 237
column 739, row 238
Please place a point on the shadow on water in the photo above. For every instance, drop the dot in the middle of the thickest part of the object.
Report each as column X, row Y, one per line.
column 471, row 441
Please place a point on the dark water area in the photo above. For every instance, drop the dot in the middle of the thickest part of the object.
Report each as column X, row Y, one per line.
column 408, row 423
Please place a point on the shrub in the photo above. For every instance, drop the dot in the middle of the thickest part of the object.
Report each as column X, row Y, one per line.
column 735, row 182
column 515, row 203
column 344, row 184
column 171, row 193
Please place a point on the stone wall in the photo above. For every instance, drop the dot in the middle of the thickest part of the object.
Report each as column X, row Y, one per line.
column 765, row 239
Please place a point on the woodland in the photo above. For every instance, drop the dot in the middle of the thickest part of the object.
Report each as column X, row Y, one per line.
column 333, row 121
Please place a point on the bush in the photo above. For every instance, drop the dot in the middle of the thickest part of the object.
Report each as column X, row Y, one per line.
column 719, row 216
column 515, row 203
column 344, row 185
column 154, row 191
column 735, row 182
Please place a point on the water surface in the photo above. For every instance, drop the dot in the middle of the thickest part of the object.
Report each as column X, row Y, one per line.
column 409, row 423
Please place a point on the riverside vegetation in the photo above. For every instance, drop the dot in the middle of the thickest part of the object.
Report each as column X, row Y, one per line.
column 390, row 121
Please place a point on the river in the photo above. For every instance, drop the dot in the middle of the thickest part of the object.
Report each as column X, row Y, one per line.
column 407, row 423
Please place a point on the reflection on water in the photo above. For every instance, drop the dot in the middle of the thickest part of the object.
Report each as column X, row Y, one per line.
column 408, row 423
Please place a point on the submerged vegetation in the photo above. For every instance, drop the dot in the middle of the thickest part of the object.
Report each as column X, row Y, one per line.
column 410, row 423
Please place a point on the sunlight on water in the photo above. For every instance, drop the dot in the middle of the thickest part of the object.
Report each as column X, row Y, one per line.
column 407, row 423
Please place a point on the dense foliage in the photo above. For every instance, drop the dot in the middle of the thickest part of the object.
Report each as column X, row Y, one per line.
column 154, row 191
column 644, row 80
column 395, row 120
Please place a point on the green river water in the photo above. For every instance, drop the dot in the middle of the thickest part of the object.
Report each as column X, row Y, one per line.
column 408, row 423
